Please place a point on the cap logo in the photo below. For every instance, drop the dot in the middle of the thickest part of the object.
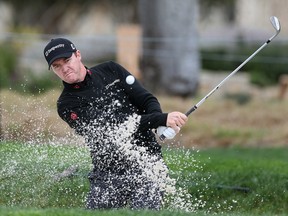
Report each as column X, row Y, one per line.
column 72, row 46
column 53, row 48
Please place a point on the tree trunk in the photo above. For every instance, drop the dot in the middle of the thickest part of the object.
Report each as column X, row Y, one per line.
column 170, row 61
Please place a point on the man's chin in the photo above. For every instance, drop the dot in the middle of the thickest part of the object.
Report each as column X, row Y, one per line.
column 70, row 79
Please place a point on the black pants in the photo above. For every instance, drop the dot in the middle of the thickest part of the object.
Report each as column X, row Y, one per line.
column 118, row 190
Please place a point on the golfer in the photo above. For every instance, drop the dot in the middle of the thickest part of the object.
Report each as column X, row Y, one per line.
column 116, row 119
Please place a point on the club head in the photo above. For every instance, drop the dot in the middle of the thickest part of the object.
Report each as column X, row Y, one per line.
column 275, row 23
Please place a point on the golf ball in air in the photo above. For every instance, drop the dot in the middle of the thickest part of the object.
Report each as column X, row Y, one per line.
column 130, row 80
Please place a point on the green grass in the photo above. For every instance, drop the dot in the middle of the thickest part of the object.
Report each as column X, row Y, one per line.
column 250, row 180
column 81, row 212
column 232, row 181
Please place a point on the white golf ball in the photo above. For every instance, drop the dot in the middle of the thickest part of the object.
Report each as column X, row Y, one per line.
column 130, row 80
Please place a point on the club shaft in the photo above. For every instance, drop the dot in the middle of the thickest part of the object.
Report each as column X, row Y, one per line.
column 277, row 27
column 226, row 78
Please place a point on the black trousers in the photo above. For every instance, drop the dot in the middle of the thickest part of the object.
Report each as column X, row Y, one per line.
column 117, row 190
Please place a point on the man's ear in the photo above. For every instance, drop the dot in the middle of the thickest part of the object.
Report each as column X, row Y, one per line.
column 78, row 54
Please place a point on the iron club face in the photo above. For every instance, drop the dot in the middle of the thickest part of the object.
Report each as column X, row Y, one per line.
column 276, row 24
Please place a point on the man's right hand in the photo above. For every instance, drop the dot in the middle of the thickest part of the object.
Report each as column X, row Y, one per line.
column 176, row 120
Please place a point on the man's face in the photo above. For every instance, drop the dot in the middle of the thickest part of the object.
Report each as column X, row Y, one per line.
column 68, row 69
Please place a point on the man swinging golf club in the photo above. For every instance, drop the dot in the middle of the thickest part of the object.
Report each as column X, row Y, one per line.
column 115, row 115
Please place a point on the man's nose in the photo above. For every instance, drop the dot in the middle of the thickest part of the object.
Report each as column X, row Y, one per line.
column 64, row 68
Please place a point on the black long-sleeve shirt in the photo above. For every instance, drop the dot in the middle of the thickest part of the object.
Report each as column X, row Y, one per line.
column 104, row 97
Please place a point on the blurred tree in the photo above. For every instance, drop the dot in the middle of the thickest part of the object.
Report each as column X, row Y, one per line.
column 170, row 48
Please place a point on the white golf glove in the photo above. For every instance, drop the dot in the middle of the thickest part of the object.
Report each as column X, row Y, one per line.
column 166, row 132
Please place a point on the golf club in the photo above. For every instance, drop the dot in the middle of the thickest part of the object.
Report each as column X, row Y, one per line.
column 276, row 24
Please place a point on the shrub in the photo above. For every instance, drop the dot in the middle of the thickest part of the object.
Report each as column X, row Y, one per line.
column 7, row 64
column 33, row 84
column 27, row 81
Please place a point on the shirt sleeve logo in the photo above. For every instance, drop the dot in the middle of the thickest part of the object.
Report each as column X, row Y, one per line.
column 73, row 116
